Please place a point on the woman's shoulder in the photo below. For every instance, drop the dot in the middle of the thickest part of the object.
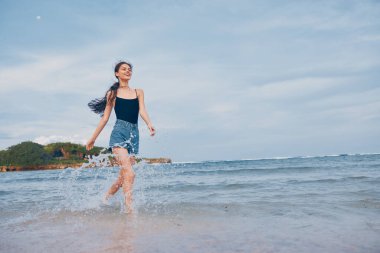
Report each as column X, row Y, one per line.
column 139, row 91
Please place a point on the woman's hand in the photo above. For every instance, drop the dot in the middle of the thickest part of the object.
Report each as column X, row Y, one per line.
column 90, row 144
column 151, row 129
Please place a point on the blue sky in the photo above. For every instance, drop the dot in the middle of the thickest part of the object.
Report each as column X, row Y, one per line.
column 222, row 79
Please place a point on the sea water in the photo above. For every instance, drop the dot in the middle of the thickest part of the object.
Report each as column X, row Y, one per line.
column 301, row 204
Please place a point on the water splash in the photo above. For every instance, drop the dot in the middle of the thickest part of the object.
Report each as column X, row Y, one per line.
column 83, row 189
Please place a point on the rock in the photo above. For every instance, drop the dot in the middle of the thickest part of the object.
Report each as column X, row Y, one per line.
column 157, row 160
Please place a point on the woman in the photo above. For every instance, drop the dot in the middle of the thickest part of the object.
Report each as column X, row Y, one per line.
column 124, row 140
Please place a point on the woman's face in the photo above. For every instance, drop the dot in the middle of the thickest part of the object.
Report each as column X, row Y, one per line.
column 124, row 73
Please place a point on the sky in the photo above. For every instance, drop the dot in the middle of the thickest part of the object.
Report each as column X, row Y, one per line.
column 223, row 80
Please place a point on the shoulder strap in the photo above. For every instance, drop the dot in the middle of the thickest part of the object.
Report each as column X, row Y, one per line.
column 136, row 94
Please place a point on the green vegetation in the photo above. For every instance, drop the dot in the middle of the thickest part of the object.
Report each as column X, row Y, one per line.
column 31, row 153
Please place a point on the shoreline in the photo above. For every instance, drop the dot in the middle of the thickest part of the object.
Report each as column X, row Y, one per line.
column 12, row 168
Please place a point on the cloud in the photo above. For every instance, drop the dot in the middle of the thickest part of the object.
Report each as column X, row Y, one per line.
column 241, row 78
column 300, row 88
column 307, row 16
column 32, row 75
column 222, row 108
column 369, row 38
column 43, row 140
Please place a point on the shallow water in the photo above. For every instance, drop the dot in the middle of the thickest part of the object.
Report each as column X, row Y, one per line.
column 316, row 204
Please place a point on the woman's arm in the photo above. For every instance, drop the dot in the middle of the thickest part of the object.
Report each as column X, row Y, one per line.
column 144, row 113
column 102, row 123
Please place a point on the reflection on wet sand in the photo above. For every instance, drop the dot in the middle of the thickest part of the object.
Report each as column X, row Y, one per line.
column 123, row 235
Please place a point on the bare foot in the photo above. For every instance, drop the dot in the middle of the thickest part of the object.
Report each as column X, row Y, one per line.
column 128, row 205
column 129, row 210
column 105, row 199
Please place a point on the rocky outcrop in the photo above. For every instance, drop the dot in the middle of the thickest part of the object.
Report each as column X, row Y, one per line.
column 65, row 154
column 39, row 167
column 157, row 160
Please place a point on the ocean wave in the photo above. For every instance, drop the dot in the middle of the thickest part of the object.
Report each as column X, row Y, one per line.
column 252, row 170
column 4, row 192
column 278, row 158
column 329, row 180
column 186, row 186
column 31, row 179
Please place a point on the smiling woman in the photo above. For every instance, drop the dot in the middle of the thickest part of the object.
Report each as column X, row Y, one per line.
column 124, row 139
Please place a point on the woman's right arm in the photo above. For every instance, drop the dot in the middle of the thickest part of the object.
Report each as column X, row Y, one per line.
column 102, row 123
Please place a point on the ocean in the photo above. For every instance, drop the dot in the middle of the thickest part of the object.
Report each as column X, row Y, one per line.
column 299, row 204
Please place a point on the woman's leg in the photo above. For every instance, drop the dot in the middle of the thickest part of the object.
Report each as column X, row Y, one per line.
column 119, row 181
column 128, row 180
column 115, row 187
column 126, row 176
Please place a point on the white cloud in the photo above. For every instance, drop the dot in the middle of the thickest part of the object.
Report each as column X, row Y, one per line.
column 196, row 74
column 295, row 88
column 369, row 37
column 32, row 75
column 43, row 140
column 222, row 108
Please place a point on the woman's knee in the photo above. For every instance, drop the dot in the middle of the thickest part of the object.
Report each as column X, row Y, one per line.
column 131, row 175
column 127, row 174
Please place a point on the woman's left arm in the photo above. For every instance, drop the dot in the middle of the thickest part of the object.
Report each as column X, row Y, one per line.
column 144, row 113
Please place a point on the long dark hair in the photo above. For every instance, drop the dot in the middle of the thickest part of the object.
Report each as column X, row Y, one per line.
column 98, row 105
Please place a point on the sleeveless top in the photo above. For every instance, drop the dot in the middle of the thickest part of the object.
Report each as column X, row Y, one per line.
column 127, row 109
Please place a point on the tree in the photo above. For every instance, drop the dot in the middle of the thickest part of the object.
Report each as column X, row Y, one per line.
column 27, row 153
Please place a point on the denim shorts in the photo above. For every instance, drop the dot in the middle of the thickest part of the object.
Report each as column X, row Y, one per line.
column 125, row 134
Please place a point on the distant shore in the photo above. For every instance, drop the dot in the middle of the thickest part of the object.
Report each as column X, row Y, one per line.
column 73, row 165
column 27, row 156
